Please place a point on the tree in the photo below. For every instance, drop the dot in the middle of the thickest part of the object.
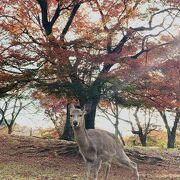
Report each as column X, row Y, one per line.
column 154, row 83
column 171, row 132
column 159, row 87
column 16, row 108
column 10, row 82
column 171, row 71
column 63, row 51
column 12, row 105
column 83, row 90
column 169, row 87
column 143, row 125
column 143, row 129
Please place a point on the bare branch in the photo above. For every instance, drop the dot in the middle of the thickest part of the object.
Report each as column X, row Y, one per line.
column 142, row 28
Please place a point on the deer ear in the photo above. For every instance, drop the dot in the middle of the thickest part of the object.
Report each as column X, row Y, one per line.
column 84, row 111
column 71, row 107
column 87, row 108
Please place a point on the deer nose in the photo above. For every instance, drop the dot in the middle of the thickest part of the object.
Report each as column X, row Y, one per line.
column 75, row 123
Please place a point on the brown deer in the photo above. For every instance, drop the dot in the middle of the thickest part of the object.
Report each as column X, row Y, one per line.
column 98, row 146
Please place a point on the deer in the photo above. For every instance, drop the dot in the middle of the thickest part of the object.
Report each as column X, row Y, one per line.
column 98, row 147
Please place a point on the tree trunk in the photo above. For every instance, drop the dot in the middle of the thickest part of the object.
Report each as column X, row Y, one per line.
column 171, row 140
column 10, row 129
column 171, row 133
column 142, row 136
column 90, row 119
column 90, row 116
column 68, row 131
column 143, row 139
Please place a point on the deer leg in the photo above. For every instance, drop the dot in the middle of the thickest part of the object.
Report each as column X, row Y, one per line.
column 88, row 169
column 134, row 169
column 108, row 166
column 96, row 168
column 124, row 160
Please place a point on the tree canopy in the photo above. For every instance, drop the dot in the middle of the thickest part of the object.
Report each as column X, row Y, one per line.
column 75, row 49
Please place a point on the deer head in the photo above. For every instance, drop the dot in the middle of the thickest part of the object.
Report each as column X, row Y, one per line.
column 77, row 117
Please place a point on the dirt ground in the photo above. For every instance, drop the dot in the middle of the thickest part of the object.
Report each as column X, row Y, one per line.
column 30, row 158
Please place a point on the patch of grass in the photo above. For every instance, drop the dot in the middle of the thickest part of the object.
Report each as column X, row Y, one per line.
column 17, row 170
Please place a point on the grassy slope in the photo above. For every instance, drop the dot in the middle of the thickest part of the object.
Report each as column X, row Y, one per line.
column 32, row 158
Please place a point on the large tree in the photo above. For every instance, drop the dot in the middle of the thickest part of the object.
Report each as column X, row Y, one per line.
column 69, row 48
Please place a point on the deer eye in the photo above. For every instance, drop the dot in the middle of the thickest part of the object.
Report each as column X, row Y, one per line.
column 71, row 115
column 80, row 115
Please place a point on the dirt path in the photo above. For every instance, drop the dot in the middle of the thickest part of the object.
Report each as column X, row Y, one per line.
column 25, row 158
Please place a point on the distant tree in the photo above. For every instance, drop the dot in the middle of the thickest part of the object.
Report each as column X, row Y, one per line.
column 16, row 108
column 12, row 105
column 121, row 93
column 144, row 125
column 141, row 127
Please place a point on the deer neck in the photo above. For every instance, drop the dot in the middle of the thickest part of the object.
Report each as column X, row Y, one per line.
column 82, row 138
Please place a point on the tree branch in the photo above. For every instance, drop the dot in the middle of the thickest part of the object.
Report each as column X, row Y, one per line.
column 163, row 115
column 176, row 121
column 46, row 24
column 142, row 28
column 56, row 15
column 70, row 20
